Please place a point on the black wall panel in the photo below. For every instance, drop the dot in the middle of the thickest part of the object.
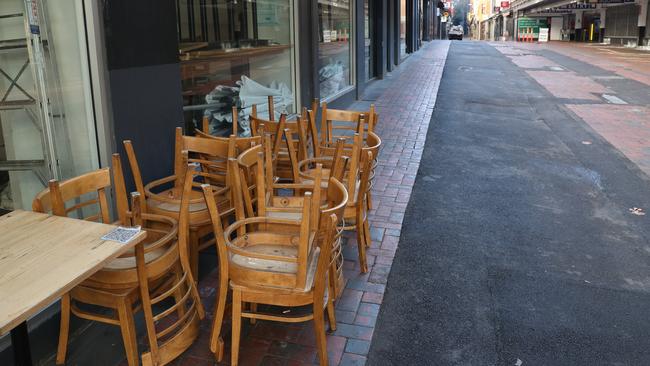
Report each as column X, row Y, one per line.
column 145, row 81
column 140, row 33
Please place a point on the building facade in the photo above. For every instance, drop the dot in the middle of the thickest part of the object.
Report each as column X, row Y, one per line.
column 80, row 76
column 620, row 22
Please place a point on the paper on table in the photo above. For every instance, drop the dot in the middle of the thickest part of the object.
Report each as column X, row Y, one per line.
column 122, row 234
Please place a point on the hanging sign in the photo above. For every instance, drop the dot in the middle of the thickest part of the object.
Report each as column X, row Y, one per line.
column 505, row 4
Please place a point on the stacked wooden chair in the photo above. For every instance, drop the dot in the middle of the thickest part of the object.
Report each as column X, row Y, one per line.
column 208, row 157
column 276, row 260
column 144, row 279
column 275, row 205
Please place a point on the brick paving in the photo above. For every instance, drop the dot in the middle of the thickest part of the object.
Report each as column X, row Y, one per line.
column 629, row 63
column 626, row 127
column 557, row 83
column 405, row 109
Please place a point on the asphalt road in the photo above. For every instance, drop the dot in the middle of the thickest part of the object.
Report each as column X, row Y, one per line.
column 518, row 246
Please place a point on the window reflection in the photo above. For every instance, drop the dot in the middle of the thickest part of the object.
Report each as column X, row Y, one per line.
column 235, row 52
column 334, row 46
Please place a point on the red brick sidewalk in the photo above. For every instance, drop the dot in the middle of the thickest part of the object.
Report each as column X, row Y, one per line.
column 626, row 127
column 405, row 110
column 629, row 63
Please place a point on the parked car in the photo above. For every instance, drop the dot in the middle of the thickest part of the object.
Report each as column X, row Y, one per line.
column 456, row 32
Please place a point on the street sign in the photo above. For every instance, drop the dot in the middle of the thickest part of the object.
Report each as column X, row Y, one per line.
column 505, row 4
column 543, row 35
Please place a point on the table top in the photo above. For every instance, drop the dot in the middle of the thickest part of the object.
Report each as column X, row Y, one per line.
column 42, row 257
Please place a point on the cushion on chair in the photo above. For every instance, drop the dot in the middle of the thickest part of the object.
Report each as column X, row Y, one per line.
column 267, row 265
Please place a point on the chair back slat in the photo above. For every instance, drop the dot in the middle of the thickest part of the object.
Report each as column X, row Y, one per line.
column 85, row 190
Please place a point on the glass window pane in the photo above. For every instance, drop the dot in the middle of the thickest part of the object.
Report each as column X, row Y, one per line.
column 235, row 53
column 402, row 28
column 334, row 69
column 368, row 39
column 61, row 57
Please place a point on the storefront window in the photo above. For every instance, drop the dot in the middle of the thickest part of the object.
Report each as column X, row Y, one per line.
column 235, row 53
column 52, row 139
column 402, row 28
column 368, row 39
column 334, row 55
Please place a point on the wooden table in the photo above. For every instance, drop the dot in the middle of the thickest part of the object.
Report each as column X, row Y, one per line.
column 41, row 258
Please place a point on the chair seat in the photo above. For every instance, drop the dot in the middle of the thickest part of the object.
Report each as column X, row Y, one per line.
column 287, row 215
column 267, row 265
column 129, row 262
column 174, row 206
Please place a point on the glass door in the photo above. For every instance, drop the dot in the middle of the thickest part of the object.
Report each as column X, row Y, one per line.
column 47, row 125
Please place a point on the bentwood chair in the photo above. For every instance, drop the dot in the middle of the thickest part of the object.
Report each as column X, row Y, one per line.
column 373, row 144
column 210, row 156
column 117, row 285
column 336, row 123
column 205, row 123
column 286, row 269
column 257, row 186
column 252, row 184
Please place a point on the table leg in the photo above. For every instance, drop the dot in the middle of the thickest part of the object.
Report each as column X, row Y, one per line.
column 20, row 343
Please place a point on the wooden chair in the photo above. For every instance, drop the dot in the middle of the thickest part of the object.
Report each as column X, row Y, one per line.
column 296, row 133
column 116, row 286
column 336, row 123
column 373, row 144
column 252, row 186
column 211, row 156
column 356, row 212
column 205, row 123
column 172, row 314
column 274, row 268
column 331, row 158
column 257, row 186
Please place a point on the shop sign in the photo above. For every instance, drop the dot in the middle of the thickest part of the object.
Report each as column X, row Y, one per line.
column 579, row 6
column 531, row 25
column 615, row 1
column 556, row 11
column 505, row 4
column 32, row 6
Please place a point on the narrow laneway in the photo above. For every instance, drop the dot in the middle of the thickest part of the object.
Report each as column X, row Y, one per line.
column 521, row 244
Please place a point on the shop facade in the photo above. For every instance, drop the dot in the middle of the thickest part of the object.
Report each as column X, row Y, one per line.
column 240, row 52
column 621, row 22
column 118, row 70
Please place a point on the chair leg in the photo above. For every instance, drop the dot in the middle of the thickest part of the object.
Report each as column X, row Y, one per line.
column 236, row 326
column 361, row 244
column 366, row 232
column 369, row 201
column 321, row 338
column 194, row 254
column 254, row 310
column 331, row 315
column 64, row 329
column 216, row 341
column 127, row 325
